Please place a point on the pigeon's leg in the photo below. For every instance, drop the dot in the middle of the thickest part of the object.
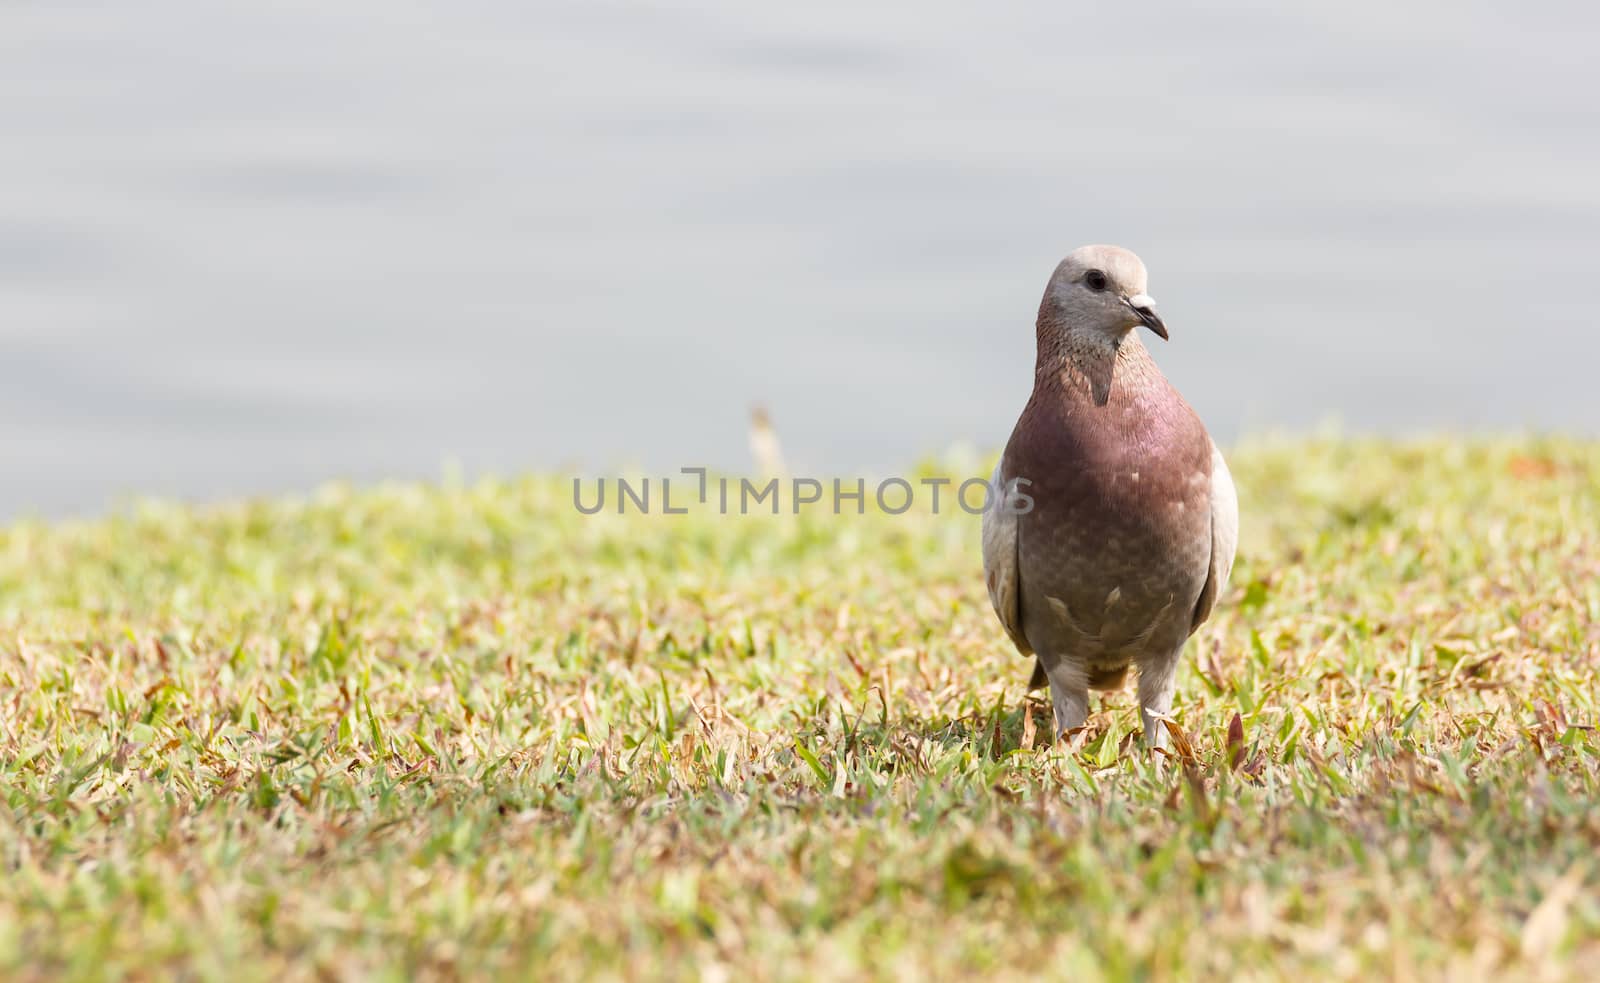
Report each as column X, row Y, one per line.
column 1157, row 680
column 1069, row 692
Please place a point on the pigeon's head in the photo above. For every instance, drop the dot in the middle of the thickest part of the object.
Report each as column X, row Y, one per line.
column 1100, row 289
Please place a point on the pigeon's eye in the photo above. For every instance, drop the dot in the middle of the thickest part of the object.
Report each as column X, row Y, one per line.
column 1095, row 280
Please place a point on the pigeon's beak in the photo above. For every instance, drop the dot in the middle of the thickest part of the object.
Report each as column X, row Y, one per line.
column 1145, row 308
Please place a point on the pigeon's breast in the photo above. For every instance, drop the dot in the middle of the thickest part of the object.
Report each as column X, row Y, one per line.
column 1116, row 548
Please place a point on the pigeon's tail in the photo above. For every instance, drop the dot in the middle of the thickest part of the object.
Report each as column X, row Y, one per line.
column 1108, row 678
column 1104, row 679
column 1038, row 680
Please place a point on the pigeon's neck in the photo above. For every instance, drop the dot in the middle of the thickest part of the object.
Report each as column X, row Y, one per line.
column 1089, row 364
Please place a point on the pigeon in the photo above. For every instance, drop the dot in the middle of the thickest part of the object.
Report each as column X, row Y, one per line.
column 1114, row 520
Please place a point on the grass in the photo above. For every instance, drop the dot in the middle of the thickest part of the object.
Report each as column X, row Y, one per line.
column 422, row 731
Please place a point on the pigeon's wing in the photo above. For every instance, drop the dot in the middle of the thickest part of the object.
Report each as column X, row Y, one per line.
column 1000, row 568
column 1224, row 537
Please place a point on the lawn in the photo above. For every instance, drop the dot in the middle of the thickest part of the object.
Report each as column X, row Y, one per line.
column 455, row 730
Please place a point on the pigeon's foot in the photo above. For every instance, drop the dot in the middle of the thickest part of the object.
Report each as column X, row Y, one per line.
column 1069, row 694
column 1156, row 683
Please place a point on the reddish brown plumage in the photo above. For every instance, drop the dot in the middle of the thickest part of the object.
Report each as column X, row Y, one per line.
column 1118, row 467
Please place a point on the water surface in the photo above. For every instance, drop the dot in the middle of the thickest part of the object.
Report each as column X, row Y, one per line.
column 247, row 248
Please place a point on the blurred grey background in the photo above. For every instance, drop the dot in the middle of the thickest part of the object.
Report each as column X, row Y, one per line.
column 250, row 247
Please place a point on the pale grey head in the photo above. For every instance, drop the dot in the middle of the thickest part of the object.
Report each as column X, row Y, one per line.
column 1099, row 290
